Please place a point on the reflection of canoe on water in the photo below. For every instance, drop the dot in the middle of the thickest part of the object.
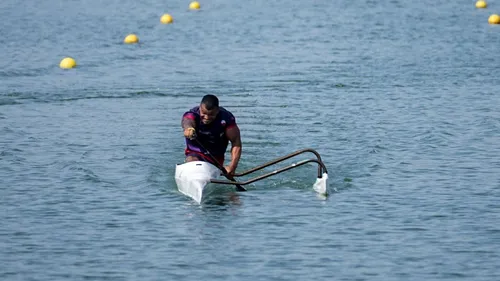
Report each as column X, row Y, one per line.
column 198, row 179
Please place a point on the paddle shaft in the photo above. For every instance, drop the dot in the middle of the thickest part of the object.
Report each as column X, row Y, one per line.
column 220, row 166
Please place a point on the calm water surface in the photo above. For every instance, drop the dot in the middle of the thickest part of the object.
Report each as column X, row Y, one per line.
column 400, row 99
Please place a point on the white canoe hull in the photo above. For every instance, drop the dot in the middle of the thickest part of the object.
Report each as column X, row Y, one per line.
column 193, row 178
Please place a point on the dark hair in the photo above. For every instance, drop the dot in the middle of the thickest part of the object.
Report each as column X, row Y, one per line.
column 210, row 102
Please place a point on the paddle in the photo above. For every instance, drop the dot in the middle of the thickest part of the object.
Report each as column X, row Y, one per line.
column 218, row 165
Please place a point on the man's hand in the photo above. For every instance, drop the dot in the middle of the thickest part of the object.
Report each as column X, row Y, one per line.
column 190, row 133
column 230, row 170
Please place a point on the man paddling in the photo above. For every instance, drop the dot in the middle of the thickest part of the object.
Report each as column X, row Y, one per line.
column 208, row 129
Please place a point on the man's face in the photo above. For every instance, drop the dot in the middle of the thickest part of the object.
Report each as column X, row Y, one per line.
column 207, row 116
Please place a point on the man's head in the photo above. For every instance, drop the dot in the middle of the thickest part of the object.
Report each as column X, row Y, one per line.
column 209, row 108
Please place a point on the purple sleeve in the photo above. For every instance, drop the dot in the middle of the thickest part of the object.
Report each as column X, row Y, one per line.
column 230, row 121
column 188, row 120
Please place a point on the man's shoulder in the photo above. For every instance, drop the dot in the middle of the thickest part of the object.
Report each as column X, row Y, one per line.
column 225, row 111
column 194, row 110
column 227, row 116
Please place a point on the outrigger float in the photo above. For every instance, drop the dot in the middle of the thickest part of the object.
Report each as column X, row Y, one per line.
column 198, row 179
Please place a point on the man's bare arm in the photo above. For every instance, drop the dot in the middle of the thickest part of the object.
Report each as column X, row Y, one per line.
column 233, row 134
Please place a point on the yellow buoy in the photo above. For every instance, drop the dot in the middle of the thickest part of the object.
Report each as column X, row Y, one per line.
column 67, row 63
column 166, row 19
column 494, row 19
column 195, row 5
column 481, row 4
column 131, row 39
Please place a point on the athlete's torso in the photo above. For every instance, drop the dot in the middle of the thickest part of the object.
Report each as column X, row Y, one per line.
column 213, row 135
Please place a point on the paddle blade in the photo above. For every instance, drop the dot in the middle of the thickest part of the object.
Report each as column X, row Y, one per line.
column 320, row 185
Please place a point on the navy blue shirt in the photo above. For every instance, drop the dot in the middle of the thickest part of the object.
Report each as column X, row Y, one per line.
column 212, row 136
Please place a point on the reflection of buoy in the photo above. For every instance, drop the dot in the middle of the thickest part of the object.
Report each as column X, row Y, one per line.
column 166, row 19
column 494, row 19
column 67, row 63
column 481, row 4
column 194, row 5
column 131, row 39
